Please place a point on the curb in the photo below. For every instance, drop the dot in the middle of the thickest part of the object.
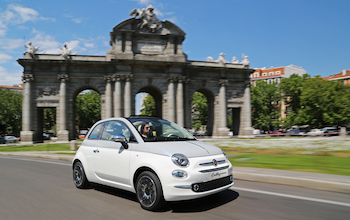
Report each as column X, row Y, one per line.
column 293, row 181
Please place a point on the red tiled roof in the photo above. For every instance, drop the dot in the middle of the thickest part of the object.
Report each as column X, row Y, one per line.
column 338, row 75
column 20, row 87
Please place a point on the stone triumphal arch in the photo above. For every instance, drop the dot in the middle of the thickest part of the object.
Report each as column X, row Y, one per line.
column 146, row 55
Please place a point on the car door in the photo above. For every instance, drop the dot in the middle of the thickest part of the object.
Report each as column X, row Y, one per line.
column 111, row 159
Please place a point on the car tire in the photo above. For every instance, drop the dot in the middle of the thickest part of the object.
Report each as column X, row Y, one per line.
column 79, row 177
column 149, row 191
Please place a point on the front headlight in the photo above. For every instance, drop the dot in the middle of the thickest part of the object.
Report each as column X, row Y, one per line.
column 180, row 160
column 225, row 154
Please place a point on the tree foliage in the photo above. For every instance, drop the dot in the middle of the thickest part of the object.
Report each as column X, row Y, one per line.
column 324, row 103
column 311, row 101
column 265, row 104
column 291, row 89
column 149, row 106
column 10, row 112
column 88, row 109
column 199, row 109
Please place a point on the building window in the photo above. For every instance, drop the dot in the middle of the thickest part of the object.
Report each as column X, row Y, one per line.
column 264, row 74
column 256, row 75
column 278, row 72
column 271, row 73
column 270, row 81
column 277, row 80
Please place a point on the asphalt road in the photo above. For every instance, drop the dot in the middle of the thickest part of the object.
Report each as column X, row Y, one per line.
column 43, row 189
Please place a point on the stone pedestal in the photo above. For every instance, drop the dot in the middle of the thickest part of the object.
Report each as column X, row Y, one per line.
column 63, row 136
column 27, row 137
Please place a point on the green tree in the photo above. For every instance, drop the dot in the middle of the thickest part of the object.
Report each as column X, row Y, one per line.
column 291, row 89
column 49, row 118
column 149, row 106
column 324, row 103
column 88, row 109
column 10, row 112
column 265, row 101
column 199, row 108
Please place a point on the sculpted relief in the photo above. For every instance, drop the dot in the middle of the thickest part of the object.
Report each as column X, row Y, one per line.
column 148, row 20
column 47, row 91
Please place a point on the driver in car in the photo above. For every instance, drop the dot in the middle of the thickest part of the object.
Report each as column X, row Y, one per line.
column 145, row 130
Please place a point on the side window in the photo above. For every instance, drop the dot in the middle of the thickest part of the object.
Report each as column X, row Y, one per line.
column 95, row 134
column 113, row 128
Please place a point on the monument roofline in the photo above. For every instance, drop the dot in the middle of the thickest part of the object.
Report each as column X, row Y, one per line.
column 131, row 25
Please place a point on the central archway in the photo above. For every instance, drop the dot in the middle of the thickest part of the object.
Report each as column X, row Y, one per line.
column 86, row 110
column 156, row 94
column 209, row 98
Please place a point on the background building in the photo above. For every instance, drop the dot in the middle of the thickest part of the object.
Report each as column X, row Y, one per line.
column 15, row 88
column 343, row 76
column 276, row 74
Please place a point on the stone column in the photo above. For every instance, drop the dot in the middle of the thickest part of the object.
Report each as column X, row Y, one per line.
column 108, row 97
column 117, row 96
column 222, row 120
column 27, row 133
column 180, row 101
column 246, row 120
column 171, row 100
column 127, row 96
column 63, row 134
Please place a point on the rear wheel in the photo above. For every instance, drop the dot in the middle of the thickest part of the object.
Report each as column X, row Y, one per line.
column 79, row 177
column 149, row 191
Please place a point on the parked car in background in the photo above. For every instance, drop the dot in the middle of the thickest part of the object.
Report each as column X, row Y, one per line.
column 46, row 136
column 2, row 140
column 296, row 132
column 81, row 136
column 277, row 133
column 316, row 132
column 154, row 158
column 11, row 139
column 330, row 131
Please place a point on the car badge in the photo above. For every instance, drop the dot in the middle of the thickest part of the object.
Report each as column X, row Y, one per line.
column 215, row 162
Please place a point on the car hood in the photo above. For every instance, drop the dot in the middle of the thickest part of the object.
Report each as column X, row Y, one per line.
column 187, row 148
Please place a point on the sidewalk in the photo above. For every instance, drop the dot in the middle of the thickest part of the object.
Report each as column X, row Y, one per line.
column 329, row 182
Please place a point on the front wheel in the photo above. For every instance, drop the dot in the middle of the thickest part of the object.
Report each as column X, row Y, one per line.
column 149, row 191
column 79, row 177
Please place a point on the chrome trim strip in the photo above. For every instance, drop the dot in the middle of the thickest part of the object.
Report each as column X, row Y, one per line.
column 211, row 163
column 183, row 187
column 215, row 169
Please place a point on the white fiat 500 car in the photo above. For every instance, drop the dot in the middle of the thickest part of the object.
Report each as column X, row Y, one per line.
column 154, row 158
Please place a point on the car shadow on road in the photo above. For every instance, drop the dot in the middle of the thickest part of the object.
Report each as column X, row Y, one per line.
column 202, row 204
column 114, row 191
column 194, row 205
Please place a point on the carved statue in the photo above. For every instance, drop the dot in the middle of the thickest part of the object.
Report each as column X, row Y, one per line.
column 234, row 60
column 210, row 59
column 148, row 18
column 31, row 50
column 221, row 58
column 245, row 61
column 66, row 52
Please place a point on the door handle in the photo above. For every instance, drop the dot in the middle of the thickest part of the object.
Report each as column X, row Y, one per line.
column 96, row 151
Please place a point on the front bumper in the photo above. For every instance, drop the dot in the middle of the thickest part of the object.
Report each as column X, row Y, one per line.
column 197, row 184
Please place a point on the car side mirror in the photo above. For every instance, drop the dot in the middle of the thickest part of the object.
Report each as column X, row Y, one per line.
column 121, row 139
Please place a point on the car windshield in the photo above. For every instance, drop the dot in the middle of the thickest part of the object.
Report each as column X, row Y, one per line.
column 154, row 129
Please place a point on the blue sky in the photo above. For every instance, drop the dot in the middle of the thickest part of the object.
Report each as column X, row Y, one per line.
column 313, row 34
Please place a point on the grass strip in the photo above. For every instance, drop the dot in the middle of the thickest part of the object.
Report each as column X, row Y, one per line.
column 306, row 163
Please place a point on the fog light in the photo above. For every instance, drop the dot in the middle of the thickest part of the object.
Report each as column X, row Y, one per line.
column 231, row 178
column 179, row 174
column 195, row 187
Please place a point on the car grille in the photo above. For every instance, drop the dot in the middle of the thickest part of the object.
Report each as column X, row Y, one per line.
column 213, row 184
